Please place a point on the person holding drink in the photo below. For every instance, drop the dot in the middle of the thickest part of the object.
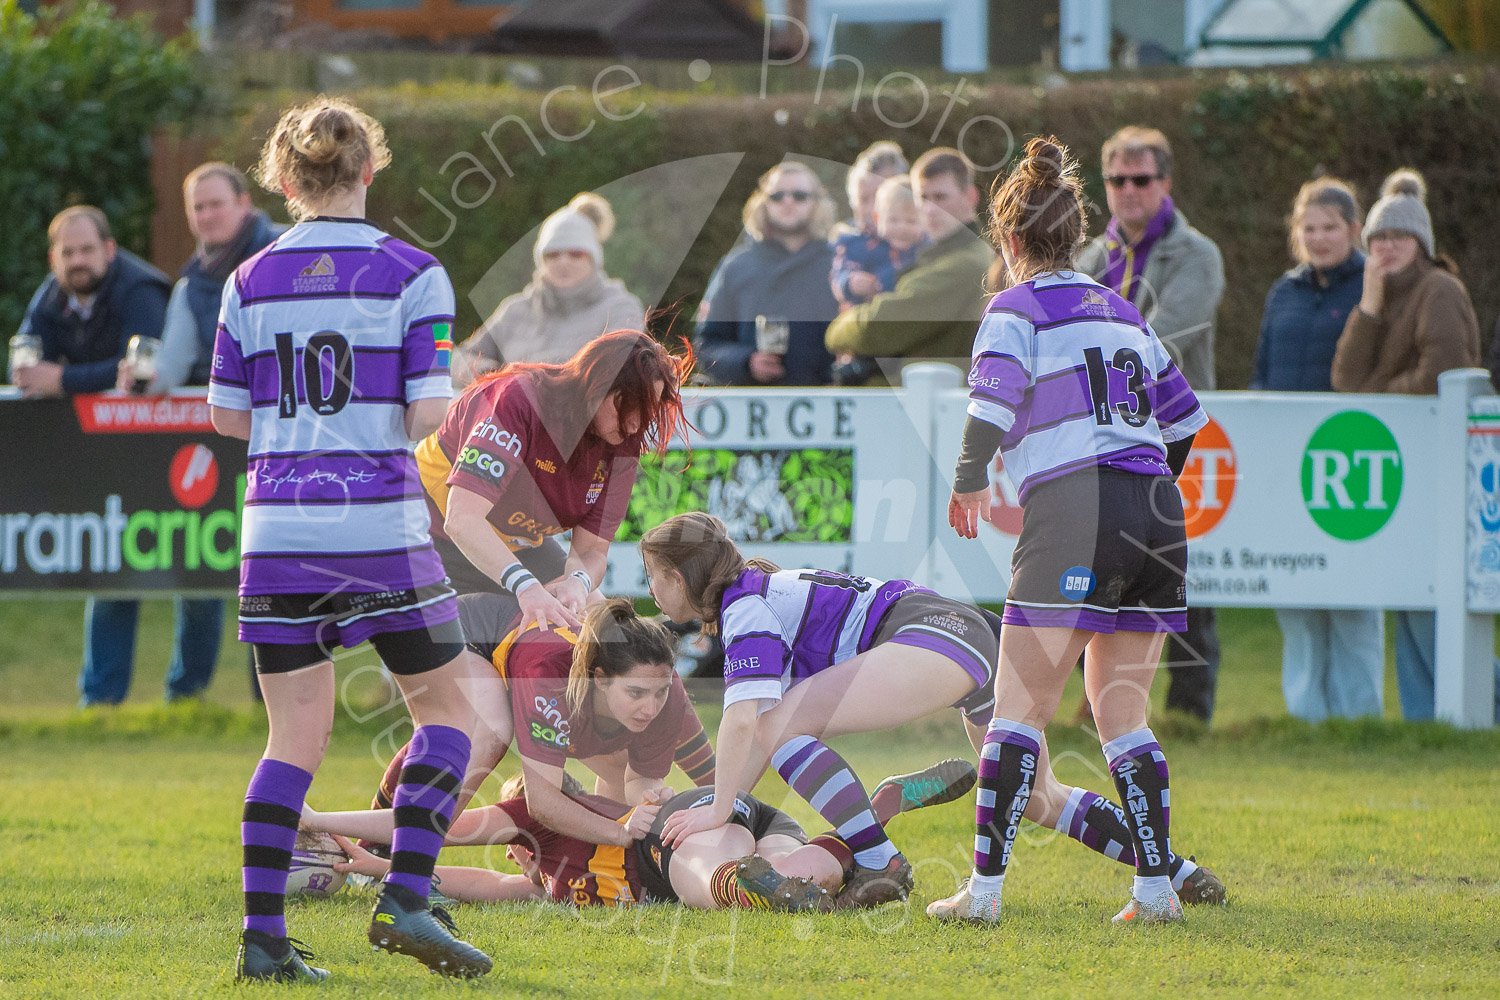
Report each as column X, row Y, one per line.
column 766, row 321
column 79, row 321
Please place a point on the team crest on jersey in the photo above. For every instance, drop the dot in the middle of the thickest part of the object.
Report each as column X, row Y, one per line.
column 319, row 276
column 1095, row 304
column 596, row 487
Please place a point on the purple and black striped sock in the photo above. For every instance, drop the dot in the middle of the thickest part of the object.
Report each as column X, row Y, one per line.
column 825, row 780
column 1140, row 772
column 268, row 831
column 1100, row 825
column 1007, row 775
column 436, row 760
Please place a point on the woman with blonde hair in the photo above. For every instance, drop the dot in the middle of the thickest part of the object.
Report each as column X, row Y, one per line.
column 569, row 301
column 331, row 358
column 1333, row 660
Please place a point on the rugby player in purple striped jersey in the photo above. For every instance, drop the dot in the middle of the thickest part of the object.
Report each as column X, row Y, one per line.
column 331, row 358
column 1094, row 422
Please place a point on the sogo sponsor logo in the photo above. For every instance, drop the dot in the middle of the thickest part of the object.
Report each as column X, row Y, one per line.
column 143, row 540
column 553, row 726
column 1351, row 475
column 483, row 461
column 1208, row 480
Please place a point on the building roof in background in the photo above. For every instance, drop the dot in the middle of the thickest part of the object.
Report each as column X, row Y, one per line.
column 661, row 29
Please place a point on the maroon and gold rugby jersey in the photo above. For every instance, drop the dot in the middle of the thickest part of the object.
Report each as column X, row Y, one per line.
column 535, row 667
column 494, row 443
column 576, row 871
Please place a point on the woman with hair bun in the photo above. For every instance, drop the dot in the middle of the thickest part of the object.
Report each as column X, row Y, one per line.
column 569, row 301
column 331, row 358
column 1095, row 422
column 1414, row 322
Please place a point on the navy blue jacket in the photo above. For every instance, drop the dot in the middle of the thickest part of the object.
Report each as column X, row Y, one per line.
column 205, row 291
column 132, row 299
column 1302, row 324
column 767, row 280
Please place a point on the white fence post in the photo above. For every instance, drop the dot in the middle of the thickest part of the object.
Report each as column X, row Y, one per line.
column 1465, row 681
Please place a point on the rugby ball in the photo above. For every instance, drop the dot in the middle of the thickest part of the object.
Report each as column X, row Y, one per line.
column 312, row 872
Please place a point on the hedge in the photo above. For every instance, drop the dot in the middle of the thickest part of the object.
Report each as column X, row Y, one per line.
column 84, row 90
column 1243, row 145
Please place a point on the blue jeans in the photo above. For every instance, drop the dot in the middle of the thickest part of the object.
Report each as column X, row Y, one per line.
column 1416, row 657
column 1332, row 662
column 109, row 648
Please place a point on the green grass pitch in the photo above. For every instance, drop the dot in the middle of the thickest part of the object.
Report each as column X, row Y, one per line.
column 1362, row 860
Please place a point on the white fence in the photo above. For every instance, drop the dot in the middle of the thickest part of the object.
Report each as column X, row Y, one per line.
column 1293, row 500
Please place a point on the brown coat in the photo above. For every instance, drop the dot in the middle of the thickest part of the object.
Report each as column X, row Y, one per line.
column 1426, row 326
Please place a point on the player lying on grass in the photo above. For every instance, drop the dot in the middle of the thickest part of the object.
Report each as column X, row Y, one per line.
column 607, row 695
column 761, row 858
column 810, row 654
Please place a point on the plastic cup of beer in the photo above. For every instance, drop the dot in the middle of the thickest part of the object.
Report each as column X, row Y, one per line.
column 772, row 334
column 25, row 351
column 140, row 361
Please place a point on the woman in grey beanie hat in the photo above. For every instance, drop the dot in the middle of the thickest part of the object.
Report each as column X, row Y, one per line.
column 1414, row 322
column 569, row 301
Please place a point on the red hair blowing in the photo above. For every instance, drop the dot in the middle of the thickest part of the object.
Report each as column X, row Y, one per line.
column 625, row 364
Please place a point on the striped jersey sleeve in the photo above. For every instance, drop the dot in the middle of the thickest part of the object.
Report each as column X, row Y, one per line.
column 428, row 343
column 1002, row 369
column 1178, row 413
column 228, row 383
column 756, row 653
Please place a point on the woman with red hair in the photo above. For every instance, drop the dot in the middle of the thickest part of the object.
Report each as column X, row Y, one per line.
column 533, row 450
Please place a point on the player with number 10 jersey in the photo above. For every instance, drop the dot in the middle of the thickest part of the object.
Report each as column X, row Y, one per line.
column 326, row 337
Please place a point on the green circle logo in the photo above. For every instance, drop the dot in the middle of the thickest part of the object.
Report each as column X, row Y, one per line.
column 1351, row 475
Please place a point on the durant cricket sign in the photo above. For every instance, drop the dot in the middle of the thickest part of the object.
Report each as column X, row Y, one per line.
column 104, row 494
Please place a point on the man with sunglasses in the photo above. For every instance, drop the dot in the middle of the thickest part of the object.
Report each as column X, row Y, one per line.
column 1174, row 275
column 782, row 277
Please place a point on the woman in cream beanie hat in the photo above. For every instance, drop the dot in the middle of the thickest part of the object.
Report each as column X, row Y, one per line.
column 1414, row 322
column 569, row 301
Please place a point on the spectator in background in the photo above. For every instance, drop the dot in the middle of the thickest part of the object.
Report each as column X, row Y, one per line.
column 782, row 276
column 878, row 161
column 229, row 230
column 569, row 301
column 1174, row 275
column 96, row 299
column 1332, row 661
column 859, row 276
column 934, row 308
column 1414, row 322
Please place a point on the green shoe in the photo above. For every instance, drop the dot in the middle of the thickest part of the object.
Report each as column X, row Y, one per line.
column 403, row 924
column 768, row 889
column 265, row 958
column 942, row 782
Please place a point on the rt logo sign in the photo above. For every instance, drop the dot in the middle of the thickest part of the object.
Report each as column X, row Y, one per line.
column 1351, row 475
column 1208, row 480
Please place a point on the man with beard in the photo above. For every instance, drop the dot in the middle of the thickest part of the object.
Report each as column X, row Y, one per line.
column 783, row 276
column 97, row 298
column 229, row 230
